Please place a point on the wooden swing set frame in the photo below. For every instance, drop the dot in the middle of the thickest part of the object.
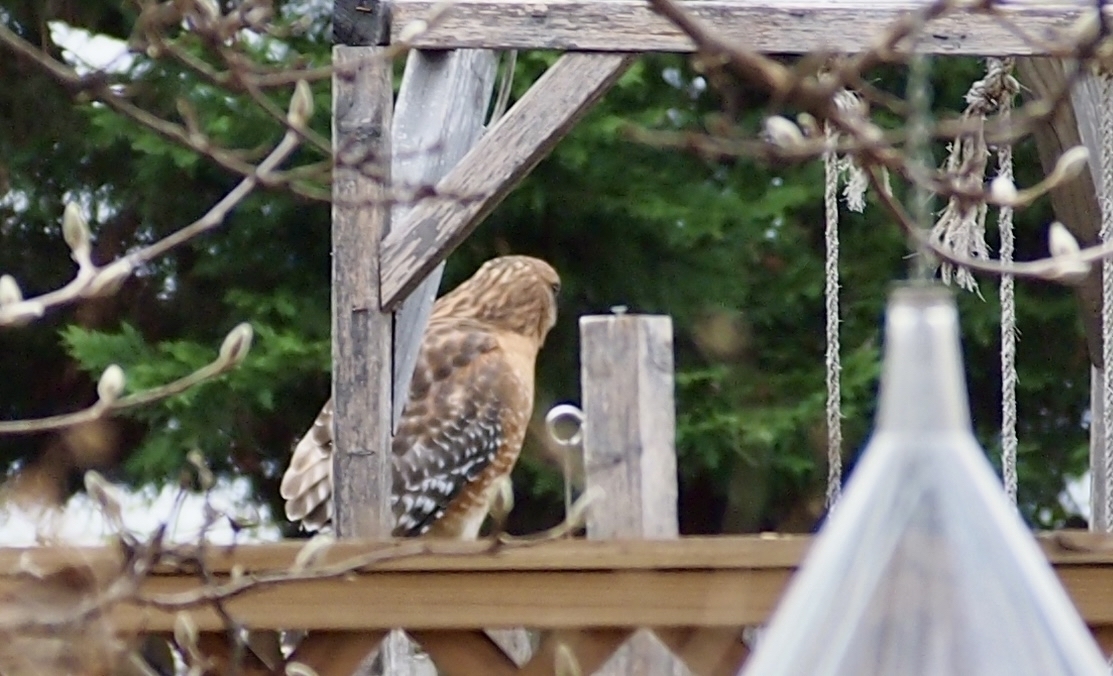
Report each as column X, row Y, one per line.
column 695, row 594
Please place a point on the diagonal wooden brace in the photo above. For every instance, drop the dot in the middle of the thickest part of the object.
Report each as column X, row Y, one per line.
column 513, row 146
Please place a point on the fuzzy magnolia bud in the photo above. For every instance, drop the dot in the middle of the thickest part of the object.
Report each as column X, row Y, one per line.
column 565, row 662
column 9, row 290
column 301, row 105
column 312, row 551
column 1070, row 164
column 299, row 669
column 1087, row 27
column 75, row 230
column 109, row 279
column 236, row 344
column 412, row 30
column 783, row 132
column 1003, row 191
column 111, row 384
column 185, row 631
column 1064, row 249
column 1060, row 242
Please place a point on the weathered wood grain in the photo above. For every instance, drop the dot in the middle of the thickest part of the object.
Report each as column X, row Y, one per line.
column 691, row 582
column 629, row 425
column 438, row 117
column 1075, row 201
column 361, row 331
column 1076, row 206
column 629, row 449
column 771, row 26
column 505, row 154
column 360, row 23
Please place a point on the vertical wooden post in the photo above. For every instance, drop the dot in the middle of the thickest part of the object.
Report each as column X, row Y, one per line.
column 362, row 103
column 630, row 449
column 1076, row 206
column 363, row 100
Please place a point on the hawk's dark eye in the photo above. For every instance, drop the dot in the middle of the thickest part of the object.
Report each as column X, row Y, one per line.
column 556, row 288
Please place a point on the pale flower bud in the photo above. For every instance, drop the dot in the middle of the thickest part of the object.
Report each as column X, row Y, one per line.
column 1087, row 27
column 75, row 230
column 111, row 384
column 109, row 279
column 565, row 662
column 1064, row 251
column 783, row 132
column 312, row 551
column 1060, row 242
column 9, row 290
column 1070, row 164
column 185, row 631
column 299, row 669
column 236, row 344
column 412, row 30
column 301, row 105
column 1003, row 191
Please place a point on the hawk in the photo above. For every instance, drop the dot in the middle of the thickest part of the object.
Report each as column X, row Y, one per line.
column 465, row 417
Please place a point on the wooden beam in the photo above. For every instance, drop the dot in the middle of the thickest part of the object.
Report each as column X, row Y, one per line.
column 1075, row 201
column 438, row 117
column 770, row 26
column 1076, row 206
column 505, row 154
column 626, row 373
column 361, row 330
column 721, row 581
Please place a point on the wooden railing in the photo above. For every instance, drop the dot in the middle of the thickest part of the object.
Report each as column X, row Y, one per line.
column 695, row 594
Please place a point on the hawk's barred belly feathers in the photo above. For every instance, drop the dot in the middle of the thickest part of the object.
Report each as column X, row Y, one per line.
column 465, row 417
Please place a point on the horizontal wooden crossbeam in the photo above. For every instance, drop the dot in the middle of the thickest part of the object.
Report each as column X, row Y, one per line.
column 771, row 26
column 725, row 582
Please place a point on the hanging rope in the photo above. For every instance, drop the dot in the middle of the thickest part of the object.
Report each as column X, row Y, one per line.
column 1008, row 309
column 961, row 228
column 855, row 195
column 831, row 295
column 1105, row 198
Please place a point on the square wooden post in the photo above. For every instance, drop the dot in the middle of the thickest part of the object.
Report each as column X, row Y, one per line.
column 361, row 382
column 629, row 442
column 363, row 102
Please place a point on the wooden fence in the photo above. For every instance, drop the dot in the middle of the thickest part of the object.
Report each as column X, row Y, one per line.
column 697, row 594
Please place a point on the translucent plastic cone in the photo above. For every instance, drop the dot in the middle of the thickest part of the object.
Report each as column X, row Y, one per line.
column 924, row 567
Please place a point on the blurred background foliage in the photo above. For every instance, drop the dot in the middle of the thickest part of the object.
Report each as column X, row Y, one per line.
column 732, row 250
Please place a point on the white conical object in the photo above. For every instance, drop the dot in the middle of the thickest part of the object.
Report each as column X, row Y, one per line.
column 924, row 568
